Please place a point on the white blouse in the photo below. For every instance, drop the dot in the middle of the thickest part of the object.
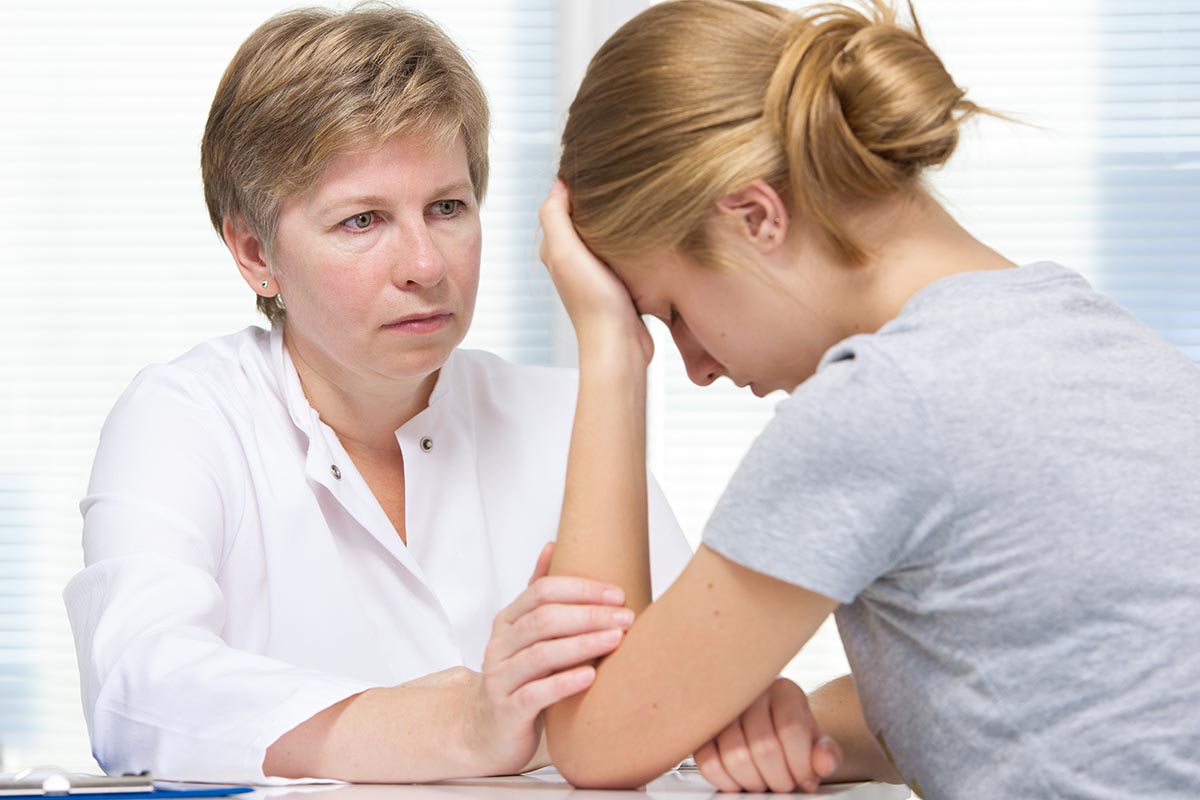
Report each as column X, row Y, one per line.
column 241, row 576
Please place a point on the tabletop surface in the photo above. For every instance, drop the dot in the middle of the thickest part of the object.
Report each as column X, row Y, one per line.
column 682, row 784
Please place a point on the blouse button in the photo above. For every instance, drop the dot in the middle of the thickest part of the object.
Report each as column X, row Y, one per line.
column 335, row 472
column 426, row 444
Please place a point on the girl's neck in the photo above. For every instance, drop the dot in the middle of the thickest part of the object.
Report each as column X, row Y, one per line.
column 912, row 242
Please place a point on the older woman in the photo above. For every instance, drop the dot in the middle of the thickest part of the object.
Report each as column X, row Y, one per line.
column 307, row 549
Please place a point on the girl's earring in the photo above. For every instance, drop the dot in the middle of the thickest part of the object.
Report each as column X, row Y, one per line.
column 265, row 284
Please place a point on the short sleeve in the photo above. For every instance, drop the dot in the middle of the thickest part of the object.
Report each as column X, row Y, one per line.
column 843, row 483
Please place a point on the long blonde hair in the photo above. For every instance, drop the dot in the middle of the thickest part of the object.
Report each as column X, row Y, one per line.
column 694, row 99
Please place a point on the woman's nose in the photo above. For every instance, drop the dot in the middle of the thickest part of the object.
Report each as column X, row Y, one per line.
column 419, row 261
column 702, row 368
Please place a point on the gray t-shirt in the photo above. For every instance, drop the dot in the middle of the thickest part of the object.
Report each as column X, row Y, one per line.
column 1002, row 488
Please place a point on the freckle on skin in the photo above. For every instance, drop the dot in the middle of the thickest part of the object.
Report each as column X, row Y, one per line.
column 710, row 584
column 716, row 612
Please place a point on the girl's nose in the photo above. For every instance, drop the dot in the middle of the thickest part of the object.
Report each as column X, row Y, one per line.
column 702, row 368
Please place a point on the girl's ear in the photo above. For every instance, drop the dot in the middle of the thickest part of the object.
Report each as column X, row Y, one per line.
column 759, row 215
column 250, row 255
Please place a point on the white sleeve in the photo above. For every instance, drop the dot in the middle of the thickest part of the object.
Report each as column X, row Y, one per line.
column 669, row 548
column 161, row 689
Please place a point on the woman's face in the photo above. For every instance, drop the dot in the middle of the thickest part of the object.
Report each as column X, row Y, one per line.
column 378, row 263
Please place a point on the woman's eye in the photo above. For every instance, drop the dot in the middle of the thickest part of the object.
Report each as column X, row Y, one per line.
column 446, row 208
column 360, row 222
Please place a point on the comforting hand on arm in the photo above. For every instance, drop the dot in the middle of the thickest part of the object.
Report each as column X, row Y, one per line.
column 459, row 723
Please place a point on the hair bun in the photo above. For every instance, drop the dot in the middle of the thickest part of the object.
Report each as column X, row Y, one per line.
column 862, row 105
column 897, row 98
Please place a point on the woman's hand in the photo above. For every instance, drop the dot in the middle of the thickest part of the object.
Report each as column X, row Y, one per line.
column 595, row 298
column 775, row 745
column 540, row 652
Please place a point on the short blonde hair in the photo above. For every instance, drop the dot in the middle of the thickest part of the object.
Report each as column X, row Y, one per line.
column 313, row 83
column 695, row 99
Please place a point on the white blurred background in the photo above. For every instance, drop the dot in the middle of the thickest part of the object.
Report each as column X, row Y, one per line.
column 108, row 263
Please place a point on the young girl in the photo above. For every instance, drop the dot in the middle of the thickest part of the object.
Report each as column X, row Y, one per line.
column 988, row 471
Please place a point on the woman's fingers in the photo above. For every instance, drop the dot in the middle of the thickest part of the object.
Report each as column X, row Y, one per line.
column 542, row 568
column 554, row 655
column 560, row 589
column 557, row 620
column 736, row 758
column 545, row 657
column 542, row 642
column 535, row 696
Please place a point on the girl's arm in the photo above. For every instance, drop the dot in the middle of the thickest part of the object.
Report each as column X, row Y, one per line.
column 719, row 636
column 689, row 665
column 836, row 708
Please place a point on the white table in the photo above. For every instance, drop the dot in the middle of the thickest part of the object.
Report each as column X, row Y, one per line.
column 682, row 784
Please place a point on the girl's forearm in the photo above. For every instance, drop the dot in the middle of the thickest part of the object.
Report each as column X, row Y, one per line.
column 836, row 708
column 603, row 530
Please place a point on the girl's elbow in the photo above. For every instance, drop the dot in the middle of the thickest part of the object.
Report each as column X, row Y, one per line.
column 571, row 761
column 590, row 765
column 597, row 773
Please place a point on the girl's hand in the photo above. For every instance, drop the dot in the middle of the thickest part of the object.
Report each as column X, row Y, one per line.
column 540, row 652
column 775, row 745
column 595, row 298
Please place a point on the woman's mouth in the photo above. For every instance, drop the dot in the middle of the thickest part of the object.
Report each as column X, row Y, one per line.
column 421, row 323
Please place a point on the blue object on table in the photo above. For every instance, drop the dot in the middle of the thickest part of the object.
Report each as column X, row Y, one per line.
column 40, row 783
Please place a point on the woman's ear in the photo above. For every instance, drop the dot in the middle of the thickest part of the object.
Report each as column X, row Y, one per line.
column 759, row 215
column 250, row 255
